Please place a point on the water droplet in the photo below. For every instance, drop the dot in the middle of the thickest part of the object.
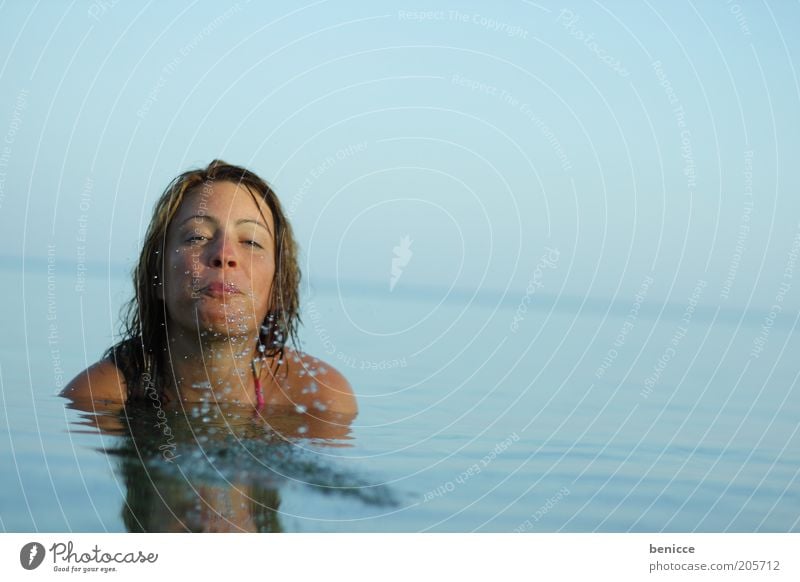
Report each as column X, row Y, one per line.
column 303, row 429
column 300, row 408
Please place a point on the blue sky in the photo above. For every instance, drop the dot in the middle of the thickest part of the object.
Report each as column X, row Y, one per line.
column 638, row 139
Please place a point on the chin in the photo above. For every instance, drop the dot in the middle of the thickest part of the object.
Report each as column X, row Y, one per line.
column 226, row 326
column 232, row 317
column 227, row 322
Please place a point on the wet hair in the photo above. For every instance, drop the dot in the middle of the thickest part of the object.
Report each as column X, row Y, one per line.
column 141, row 355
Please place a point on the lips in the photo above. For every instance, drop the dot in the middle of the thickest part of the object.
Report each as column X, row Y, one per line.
column 218, row 289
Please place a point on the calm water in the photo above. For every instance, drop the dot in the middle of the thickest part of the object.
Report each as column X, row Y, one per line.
column 464, row 425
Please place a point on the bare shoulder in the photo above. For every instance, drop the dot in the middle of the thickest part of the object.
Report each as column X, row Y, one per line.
column 318, row 382
column 100, row 382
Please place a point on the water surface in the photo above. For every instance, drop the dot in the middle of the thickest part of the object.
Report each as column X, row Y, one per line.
column 464, row 425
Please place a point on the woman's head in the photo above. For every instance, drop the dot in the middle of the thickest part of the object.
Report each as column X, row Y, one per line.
column 218, row 263
column 219, row 256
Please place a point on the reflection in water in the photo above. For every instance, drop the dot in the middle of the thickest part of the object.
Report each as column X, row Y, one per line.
column 221, row 468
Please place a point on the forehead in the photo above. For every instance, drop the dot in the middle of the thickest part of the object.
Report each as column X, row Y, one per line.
column 224, row 201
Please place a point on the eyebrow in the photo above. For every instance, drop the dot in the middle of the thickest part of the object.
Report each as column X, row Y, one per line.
column 238, row 222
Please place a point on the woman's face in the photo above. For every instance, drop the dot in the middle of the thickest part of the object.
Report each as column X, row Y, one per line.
column 219, row 262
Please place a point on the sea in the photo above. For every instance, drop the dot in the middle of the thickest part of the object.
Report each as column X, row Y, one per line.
column 479, row 411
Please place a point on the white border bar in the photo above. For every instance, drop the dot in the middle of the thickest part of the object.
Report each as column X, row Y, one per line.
column 409, row 557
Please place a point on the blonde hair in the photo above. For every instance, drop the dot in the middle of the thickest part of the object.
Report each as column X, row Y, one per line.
column 142, row 352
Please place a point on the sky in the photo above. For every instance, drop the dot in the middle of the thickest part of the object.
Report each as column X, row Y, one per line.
column 576, row 149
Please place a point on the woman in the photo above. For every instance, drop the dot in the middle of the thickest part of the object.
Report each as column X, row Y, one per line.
column 216, row 302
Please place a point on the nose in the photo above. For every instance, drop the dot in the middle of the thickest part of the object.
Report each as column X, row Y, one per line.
column 223, row 254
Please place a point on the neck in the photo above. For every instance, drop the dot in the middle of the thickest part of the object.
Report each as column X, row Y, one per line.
column 212, row 367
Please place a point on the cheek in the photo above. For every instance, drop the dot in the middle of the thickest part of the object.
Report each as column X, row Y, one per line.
column 262, row 271
column 180, row 270
column 263, row 285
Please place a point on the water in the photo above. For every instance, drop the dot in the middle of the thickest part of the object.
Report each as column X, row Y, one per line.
column 464, row 424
